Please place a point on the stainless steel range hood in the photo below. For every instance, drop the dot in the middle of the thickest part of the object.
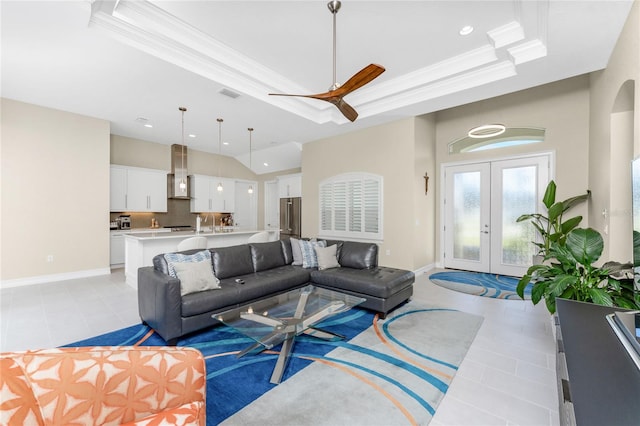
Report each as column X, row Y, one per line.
column 178, row 174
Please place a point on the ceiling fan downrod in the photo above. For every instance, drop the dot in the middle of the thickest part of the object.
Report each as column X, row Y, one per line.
column 334, row 7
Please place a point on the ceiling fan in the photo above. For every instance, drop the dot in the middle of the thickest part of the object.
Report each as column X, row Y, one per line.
column 336, row 91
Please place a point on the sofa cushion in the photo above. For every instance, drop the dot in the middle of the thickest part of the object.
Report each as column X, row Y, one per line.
column 196, row 276
column 175, row 258
column 359, row 255
column 327, row 257
column 256, row 285
column 266, row 255
column 286, row 251
column 379, row 282
column 232, row 261
column 296, row 252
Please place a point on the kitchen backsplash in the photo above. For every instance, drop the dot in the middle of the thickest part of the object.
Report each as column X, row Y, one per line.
column 178, row 214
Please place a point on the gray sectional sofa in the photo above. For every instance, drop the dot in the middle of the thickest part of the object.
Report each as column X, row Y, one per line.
column 266, row 269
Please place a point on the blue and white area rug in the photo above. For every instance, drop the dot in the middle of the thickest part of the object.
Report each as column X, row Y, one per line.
column 480, row 284
column 394, row 371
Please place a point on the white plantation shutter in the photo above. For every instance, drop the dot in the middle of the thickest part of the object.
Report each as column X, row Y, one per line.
column 340, row 206
column 355, row 205
column 372, row 205
column 326, row 208
column 351, row 206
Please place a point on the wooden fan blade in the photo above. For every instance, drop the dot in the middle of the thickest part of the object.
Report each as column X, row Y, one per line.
column 359, row 79
column 346, row 109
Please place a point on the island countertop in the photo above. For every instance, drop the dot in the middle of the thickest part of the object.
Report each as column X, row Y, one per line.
column 151, row 235
column 140, row 248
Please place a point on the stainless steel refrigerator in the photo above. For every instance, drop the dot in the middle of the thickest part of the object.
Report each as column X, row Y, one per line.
column 290, row 214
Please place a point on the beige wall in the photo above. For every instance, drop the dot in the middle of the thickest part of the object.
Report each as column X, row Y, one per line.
column 424, row 235
column 562, row 108
column 55, row 197
column 387, row 150
column 614, row 140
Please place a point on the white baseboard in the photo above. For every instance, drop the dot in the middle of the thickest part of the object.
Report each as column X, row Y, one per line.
column 424, row 269
column 41, row 279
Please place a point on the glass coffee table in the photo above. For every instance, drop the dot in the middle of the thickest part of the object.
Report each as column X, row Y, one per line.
column 279, row 319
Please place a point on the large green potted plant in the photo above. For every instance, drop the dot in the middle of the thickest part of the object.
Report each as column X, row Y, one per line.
column 553, row 227
column 571, row 274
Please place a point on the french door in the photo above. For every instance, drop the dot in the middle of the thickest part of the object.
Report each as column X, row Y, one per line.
column 481, row 204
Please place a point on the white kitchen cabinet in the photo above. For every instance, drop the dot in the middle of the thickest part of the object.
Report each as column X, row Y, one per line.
column 245, row 216
column 200, row 194
column 271, row 205
column 290, row 186
column 118, row 191
column 135, row 189
column 224, row 201
column 116, row 248
column 205, row 196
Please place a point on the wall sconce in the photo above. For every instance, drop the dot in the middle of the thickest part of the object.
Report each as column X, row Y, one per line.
column 426, row 183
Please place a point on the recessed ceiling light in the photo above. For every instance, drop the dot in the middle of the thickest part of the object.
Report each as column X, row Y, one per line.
column 466, row 30
column 266, row 164
column 148, row 125
column 225, row 143
column 191, row 135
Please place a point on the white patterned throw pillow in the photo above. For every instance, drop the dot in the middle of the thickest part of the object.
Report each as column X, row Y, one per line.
column 173, row 258
column 195, row 271
column 309, row 258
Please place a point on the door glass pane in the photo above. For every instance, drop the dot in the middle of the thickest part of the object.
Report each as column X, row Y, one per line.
column 466, row 216
column 518, row 197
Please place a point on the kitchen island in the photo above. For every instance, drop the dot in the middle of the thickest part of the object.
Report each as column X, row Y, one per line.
column 141, row 248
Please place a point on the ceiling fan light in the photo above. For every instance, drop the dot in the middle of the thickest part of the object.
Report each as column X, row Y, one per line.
column 487, row 131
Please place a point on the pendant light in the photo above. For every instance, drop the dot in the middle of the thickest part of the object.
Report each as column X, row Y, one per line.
column 183, row 181
column 220, row 120
column 250, row 129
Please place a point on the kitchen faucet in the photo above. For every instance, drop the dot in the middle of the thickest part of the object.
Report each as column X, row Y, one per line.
column 212, row 221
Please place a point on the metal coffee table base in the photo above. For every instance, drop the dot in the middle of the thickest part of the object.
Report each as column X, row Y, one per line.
column 285, row 331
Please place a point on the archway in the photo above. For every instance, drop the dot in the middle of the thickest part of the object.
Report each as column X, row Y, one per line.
column 622, row 152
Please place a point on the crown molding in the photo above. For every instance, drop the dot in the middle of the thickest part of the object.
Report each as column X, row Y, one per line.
column 146, row 27
column 506, row 34
column 526, row 52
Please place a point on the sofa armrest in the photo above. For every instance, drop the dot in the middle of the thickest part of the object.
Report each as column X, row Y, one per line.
column 160, row 302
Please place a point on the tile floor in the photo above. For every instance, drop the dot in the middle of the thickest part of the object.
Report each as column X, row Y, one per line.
column 507, row 378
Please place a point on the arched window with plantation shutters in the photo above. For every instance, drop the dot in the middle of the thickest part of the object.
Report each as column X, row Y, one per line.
column 351, row 206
